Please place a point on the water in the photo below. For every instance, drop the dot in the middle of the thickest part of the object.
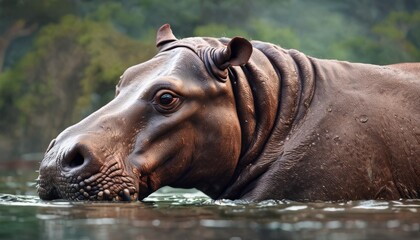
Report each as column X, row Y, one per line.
column 189, row 214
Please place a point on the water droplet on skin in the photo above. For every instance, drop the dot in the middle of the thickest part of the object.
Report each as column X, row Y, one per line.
column 363, row 118
column 125, row 195
column 156, row 222
column 126, row 192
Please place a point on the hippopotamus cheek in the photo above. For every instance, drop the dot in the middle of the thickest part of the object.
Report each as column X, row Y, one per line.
column 216, row 149
column 162, row 160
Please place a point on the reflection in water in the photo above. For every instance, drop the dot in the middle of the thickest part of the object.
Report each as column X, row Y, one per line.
column 171, row 214
column 188, row 214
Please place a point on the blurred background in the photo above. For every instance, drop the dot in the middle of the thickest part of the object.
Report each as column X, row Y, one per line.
column 61, row 59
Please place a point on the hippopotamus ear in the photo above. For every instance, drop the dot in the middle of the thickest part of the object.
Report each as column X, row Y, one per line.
column 237, row 53
column 164, row 35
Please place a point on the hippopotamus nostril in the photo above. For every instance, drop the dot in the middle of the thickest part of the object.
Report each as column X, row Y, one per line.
column 75, row 159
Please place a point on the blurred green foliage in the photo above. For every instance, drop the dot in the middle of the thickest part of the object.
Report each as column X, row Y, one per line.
column 60, row 59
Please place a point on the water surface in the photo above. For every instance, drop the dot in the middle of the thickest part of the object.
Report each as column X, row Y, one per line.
column 189, row 214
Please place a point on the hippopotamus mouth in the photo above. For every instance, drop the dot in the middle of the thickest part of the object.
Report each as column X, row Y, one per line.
column 110, row 183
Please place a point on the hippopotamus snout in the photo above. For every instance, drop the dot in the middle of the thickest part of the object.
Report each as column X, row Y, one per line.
column 75, row 168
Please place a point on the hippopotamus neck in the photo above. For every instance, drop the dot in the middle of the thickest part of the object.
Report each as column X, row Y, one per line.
column 273, row 91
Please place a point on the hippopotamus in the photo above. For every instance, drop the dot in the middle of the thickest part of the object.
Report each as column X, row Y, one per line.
column 249, row 120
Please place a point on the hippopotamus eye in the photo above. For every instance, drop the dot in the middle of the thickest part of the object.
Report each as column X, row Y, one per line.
column 166, row 101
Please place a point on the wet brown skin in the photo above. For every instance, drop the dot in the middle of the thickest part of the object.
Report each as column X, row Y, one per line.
column 244, row 120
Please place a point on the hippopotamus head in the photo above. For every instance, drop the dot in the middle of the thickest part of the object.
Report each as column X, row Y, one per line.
column 172, row 122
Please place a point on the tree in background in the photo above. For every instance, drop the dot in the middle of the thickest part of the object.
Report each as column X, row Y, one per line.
column 390, row 34
column 22, row 18
column 68, row 73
